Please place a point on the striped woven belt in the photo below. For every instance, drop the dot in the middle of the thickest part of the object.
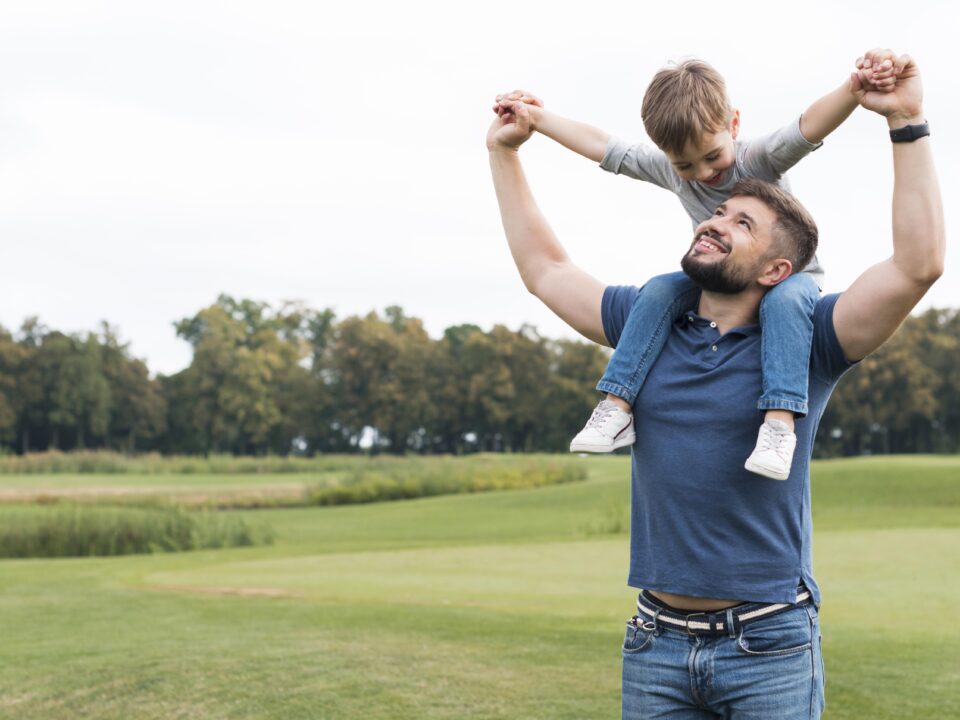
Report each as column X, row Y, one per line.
column 712, row 623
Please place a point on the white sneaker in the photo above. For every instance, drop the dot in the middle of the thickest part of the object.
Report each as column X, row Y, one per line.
column 607, row 429
column 773, row 455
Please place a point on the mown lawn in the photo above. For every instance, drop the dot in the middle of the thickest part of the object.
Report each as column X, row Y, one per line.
column 499, row 605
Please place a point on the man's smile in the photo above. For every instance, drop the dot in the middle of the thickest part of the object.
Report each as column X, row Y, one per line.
column 707, row 244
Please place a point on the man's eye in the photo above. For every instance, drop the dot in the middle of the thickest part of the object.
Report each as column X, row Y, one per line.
column 745, row 224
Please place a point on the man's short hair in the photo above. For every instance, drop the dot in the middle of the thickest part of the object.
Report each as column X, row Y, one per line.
column 683, row 101
column 795, row 234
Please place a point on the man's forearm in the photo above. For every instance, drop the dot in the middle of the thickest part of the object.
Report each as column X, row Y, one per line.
column 573, row 295
column 532, row 242
column 583, row 139
column 919, row 240
column 827, row 113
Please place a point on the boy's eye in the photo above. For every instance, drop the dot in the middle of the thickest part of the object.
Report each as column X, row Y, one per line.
column 711, row 158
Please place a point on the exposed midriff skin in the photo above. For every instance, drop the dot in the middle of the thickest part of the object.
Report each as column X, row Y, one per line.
column 687, row 602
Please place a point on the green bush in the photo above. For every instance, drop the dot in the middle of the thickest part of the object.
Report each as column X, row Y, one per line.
column 87, row 530
column 400, row 479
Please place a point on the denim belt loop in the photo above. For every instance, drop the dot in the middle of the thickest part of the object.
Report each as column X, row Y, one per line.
column 656, row 623
column 731, row 630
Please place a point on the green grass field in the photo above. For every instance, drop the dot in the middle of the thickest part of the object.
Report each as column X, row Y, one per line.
column 497, row 605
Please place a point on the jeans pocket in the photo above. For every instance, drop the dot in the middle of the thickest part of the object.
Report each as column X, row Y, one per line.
column 639, row 636
column 788, row 633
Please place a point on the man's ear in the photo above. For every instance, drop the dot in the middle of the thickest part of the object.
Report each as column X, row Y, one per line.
column 775, row 272
column 734, row 124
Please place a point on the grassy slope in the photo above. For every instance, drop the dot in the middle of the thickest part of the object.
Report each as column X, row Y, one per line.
column 505, row 605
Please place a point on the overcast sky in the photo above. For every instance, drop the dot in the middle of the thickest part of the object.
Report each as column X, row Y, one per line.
column 154, row 155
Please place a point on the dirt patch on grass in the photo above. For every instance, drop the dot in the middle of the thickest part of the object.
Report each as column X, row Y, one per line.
column 238, row 591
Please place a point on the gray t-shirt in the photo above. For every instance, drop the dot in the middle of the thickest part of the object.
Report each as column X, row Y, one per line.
column 766, row 158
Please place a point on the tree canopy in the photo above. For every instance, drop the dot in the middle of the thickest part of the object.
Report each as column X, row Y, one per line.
column 294, row 379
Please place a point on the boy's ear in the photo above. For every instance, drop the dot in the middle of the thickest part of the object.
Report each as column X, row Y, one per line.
column 734, row 124
column 775, row 272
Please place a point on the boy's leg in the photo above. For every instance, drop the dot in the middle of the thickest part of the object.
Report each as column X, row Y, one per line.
column 786, row 316
column 663, row 299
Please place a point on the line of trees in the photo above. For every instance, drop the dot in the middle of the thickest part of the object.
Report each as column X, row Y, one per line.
column 294, row 379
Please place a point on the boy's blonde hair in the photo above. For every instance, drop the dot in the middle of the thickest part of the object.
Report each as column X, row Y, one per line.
column 683, row 101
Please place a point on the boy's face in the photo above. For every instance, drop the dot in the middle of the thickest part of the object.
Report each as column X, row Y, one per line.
column 707, row 158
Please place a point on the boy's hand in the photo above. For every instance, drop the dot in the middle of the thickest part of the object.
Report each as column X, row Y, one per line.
column 901, row 104
column 879, row 68
column 512, row 126
column 517, row 95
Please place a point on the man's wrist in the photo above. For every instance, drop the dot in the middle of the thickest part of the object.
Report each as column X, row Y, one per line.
column 899, row 120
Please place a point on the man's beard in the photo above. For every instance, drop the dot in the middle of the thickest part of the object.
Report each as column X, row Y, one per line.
column 715, row 276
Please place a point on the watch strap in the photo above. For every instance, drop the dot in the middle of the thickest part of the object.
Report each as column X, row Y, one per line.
column 909, row 133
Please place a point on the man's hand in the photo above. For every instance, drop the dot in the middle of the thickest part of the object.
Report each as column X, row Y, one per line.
column 512, row 127
column 901, row 103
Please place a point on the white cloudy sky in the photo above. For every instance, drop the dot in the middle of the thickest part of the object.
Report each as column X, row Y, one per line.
column 156, row 154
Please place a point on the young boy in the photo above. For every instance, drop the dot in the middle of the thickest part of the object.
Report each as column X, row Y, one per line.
column 688, row 116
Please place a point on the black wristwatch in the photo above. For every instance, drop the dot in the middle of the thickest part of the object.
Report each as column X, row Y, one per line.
column 909, row 133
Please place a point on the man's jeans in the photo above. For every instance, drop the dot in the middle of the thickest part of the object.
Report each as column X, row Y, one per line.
column 771, row 669
column 786, row 316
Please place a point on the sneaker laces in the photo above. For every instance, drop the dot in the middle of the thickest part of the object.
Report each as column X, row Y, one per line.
column 773, row 436
column 601, row 412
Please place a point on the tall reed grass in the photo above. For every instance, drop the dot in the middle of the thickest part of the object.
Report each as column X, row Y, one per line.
column 108, row 462
column 86, row 530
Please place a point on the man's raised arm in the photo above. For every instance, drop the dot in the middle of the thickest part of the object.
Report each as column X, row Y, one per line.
column 873, row 307
column 544, row 266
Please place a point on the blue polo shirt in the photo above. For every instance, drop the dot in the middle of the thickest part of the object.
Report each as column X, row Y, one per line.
column 701, row 524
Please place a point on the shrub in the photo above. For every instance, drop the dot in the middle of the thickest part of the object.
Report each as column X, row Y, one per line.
column 393, row 479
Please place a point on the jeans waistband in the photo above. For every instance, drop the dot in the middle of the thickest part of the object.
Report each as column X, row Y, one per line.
column 716, row 622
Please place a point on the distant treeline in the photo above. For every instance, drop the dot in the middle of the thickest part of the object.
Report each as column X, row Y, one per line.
column 297, row 380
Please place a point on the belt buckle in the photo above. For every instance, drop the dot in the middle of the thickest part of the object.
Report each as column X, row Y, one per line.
column 706, row 618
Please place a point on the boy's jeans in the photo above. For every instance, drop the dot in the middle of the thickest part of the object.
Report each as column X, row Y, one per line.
column 786, row 316
column 771, row 669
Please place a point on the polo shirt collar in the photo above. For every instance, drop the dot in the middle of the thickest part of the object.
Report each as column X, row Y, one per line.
column 692, row 319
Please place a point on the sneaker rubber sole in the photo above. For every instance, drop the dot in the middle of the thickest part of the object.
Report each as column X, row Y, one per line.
column 765, row 471
column 580, row 446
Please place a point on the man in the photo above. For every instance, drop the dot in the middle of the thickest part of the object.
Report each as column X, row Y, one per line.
column 727, row 620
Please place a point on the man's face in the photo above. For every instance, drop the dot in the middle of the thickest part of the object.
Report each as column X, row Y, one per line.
column 730, row 249
column 708, row 157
